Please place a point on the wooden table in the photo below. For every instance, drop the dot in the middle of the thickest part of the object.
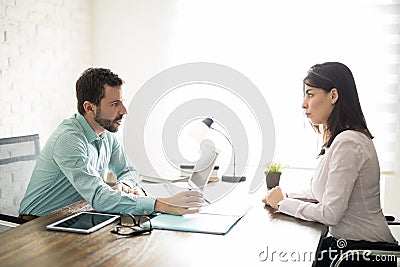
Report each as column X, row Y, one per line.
column 260, row 238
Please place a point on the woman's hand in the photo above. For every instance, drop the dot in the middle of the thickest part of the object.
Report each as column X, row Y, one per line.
column 273, row 197
column 187, row 202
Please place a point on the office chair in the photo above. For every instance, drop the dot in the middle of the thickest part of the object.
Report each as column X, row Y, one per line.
column 355, row 257
column 17, row 159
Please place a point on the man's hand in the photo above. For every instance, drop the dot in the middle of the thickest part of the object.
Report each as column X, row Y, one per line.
column 273, row 197
column 187, row 202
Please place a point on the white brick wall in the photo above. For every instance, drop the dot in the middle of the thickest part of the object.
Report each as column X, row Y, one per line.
column 44, row 47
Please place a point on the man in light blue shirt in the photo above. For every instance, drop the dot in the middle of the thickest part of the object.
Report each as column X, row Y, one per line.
column 72, row 163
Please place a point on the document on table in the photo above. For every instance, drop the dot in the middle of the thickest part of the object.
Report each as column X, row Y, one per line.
column 225, row 207
column 217, row 218
column 198, row 223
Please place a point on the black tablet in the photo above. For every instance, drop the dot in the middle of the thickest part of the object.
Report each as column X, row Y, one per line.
column 84, row 222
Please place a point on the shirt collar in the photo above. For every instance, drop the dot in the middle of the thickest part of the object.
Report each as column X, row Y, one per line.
column 90, row 134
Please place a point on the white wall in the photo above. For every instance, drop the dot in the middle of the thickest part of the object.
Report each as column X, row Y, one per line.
column 130, row 38
column 271, row 44
column 392, row 186
column 44, row 46
column 151, row 36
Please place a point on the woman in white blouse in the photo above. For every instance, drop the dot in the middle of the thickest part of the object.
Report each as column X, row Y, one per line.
column 346, row 181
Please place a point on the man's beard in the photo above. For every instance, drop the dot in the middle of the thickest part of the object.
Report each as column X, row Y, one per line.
column 109, row 125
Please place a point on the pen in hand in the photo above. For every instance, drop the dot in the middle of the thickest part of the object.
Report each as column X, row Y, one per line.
column 206, row 200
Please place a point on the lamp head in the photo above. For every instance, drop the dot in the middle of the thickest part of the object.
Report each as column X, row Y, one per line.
column 208, row 122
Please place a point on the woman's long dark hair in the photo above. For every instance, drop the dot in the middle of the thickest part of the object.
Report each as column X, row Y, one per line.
column 347, row 113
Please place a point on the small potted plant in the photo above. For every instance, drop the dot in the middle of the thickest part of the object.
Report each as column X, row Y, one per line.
column 273, row 174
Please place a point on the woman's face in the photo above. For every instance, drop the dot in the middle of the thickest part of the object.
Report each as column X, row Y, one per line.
column 318, row 104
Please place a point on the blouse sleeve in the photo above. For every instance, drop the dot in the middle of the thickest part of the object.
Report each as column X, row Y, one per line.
column 303, row 194
column 344, row 165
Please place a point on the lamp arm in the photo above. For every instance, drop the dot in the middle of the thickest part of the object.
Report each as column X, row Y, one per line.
column 233, row 149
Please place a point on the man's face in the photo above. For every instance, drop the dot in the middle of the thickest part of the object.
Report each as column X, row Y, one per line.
column 111, row 110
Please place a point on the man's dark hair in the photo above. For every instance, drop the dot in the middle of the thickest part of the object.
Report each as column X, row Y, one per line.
column 90, row 86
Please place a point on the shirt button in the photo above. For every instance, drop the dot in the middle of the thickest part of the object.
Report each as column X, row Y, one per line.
column 145, row 212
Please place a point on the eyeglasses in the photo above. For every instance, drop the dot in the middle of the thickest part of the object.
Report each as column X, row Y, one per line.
column 130, row 225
